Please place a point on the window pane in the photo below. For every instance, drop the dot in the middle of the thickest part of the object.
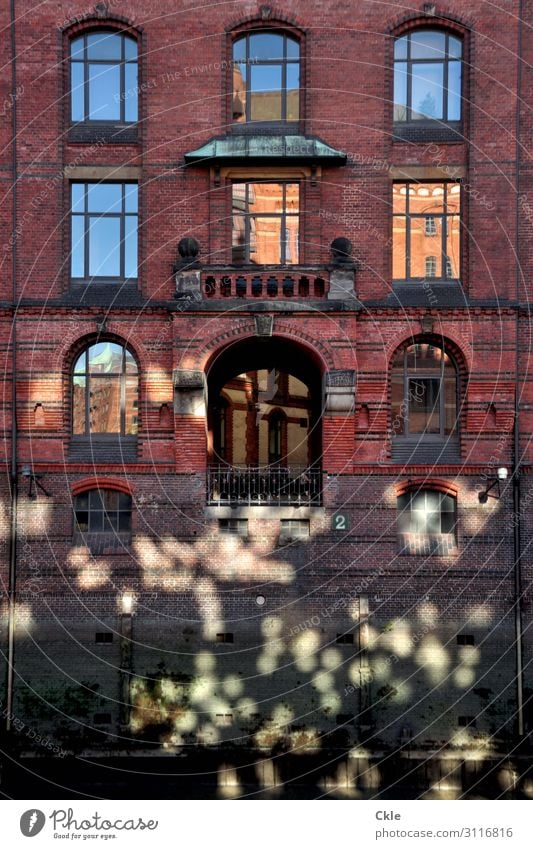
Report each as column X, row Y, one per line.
column 131, row 191
column 110, row 499
column 95, row 499
column 267, row 249
column 77, row 258
column 124, row 501
column 82, row 501
column 293, row 92
column 76, row 48
column 266, row 46
column 104, row 197
column 104, row 247
column 130, row 48
column 238, row 239
column 265, row 93
column 453, row 197
column 79, row 368
column 427, row 92
column 239, row 49
column 426, row 198
column 131, row 94
column 82, row 520
column 455, row 47
column 432, row 500
column 77, row 91
column 432, row 520
column 292, row 197
column 78, row 405
column 400, row 91
column 454, row 91
column 292, row 239
column 78, row 197
column 105, row 358
column 105, row 404
column 124, row 521
column 293, row 48
column 132, row 405
column 130, row 246
column 239, row 93
column 424, row 397
column 399, row 271
column 422, row 247
column 102, row 45
column 428, row 44
column 96, row 521
column 399, row 197
column 104, row 92
column 400, row 48
column 424, row 357
column 131, row 365
column 453, row 245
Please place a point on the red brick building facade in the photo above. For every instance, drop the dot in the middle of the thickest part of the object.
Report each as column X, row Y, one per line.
column 267, row 505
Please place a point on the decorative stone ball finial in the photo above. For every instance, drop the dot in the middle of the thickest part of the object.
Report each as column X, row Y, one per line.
column 341, row 251
column 188, row 249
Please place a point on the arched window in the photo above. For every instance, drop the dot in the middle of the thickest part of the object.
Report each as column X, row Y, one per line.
column 427, row 76
column 105, row 389
column 426, row 522
column 424, row 392
column 266, row 78
column 103, row 78
column 102, row 511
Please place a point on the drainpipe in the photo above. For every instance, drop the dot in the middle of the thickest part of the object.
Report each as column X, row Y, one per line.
column 517, row 544
column 13, row 480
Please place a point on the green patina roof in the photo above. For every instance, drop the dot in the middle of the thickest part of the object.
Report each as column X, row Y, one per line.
column 270, row 148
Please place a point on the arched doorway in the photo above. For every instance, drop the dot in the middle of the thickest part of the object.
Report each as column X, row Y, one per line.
column 264, row 420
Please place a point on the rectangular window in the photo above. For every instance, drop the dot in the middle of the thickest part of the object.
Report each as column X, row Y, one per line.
column 465, row 639
column 345, row 639
column 233, row 527
column 104, row 222
column 103, row 637
column 266, row 223
column 426, row 231
column 226, row 637
column 294, row 529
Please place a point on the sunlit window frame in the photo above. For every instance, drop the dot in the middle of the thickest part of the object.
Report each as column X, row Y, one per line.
column 441, row 218
column 248, row 216
column 121, row 376
column 286, row 60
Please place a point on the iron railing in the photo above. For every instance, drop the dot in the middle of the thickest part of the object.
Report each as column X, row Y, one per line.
column 264, row 485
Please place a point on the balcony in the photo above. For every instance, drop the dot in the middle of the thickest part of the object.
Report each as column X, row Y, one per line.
column 273, row 486
column 280, row 284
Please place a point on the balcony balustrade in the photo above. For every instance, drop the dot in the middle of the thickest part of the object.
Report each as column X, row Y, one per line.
column 267, row 485
column 282, row 284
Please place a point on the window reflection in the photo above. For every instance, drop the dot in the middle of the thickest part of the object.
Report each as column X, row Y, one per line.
column 105, row 391
column 423, row 391
column 427, row 76
column 426, row 231
column 266, row 223
column 266, row 78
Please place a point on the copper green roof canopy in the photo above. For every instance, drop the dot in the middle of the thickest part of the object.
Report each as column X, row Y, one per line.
column 260, row 148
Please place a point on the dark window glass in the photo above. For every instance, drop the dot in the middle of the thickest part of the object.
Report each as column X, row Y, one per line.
column 266, row 78
column 105, row 388
column 423, row 392
column 108, row 511
column 266, row 223
column 426, row 231
column 104, row 224
column 427, row 77
column 103, row 78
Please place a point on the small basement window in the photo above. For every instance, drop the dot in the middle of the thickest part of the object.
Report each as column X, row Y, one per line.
column 465, row 639
column 103, row 637
column 226, row 637
column 233, row 527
